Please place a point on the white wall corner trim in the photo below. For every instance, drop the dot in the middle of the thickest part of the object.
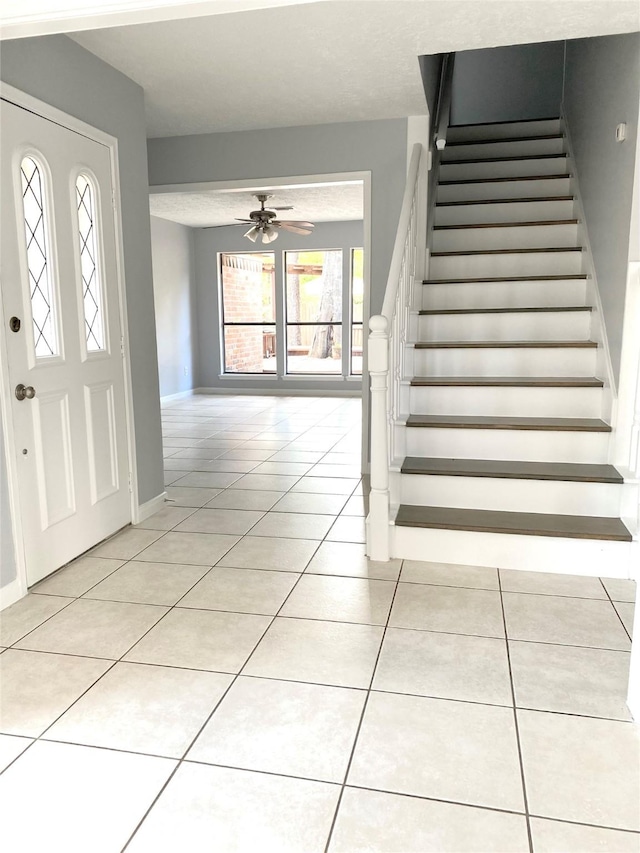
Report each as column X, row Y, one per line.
column 144, row 511
column 12, row 592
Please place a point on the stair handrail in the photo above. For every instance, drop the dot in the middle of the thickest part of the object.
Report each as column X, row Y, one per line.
column 387, row 345
column 443, row 104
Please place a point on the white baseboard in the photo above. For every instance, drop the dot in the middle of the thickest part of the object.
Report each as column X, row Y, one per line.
column 11, row 593
column 179, row 396
column 146, row 510
column 282, row 392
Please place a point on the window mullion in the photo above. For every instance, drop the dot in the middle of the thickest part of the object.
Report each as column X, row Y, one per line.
column 281, row 331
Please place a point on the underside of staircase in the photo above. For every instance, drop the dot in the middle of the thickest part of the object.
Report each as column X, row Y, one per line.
column 508, row 437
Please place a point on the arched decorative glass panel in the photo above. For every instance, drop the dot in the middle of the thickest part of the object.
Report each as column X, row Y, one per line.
column 90, row 265
column 41, row 292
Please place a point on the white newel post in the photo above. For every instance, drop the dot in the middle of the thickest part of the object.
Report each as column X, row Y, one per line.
column 378, row 522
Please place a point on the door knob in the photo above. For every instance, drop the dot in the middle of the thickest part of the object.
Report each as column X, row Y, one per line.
column 27, row 392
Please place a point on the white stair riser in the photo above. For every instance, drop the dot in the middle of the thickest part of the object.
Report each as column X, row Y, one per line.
column 505, row 495
column 504, row 189
column 510, row 551
column 503, row 130
column 519, row 444
column 521, row 361
column 542, row 326
column 513, row 237
column 507, row 148
column 506, row 402
column 556, row 165
column 508, row 294
column 483, row 266
column 523, row 211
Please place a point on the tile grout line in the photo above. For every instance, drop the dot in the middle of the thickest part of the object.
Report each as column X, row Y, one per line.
column 343, row 435
column 217, row 705
column 515, row 719
column 615, row 610
column 114, row 662
column 362, row 715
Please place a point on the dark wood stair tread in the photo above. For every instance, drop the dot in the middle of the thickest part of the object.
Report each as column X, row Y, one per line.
column 503, row 159
column 491, row 279
column 561, row 471
column 533, row 224
column 520, row 523
column 505, row 180
column 544, row 310
column 507, row 121
column 505, row 344
column 525, row 200
column 512, row 423
column 505, row 139
column 534, row 251
column 510, row 381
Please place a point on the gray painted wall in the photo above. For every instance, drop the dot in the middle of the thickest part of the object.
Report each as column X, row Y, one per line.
column 376, row 146
column 175, row 304
column 327, row 235
column 507, row 83
column 602, row 88
column 60, row 72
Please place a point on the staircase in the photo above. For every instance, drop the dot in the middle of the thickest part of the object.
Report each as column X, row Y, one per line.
column 507, row 442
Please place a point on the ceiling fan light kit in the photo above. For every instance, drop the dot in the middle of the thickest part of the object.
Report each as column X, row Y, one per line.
column 269, row 234
column 264, row 223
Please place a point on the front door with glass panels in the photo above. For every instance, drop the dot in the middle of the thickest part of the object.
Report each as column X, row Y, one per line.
column 63, row 339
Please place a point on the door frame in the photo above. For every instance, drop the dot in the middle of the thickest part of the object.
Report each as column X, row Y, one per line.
column 50, row 113
column 243, row 184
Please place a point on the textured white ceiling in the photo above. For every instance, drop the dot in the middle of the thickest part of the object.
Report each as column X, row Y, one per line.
column 328, row 62
column 325, row 203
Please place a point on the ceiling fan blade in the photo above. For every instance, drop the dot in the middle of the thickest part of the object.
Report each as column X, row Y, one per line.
column 230, row 225
column 288, row 226
column 237, row 218
column 299, row 224
column 280, row 208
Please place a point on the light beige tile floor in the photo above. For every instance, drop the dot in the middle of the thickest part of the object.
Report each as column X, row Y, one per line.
column 235, row 675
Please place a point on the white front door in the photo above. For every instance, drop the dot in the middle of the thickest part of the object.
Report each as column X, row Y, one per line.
column 63, row 338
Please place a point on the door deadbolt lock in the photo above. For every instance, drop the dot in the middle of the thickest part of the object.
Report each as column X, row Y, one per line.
column 25, row 392
column 15, row 324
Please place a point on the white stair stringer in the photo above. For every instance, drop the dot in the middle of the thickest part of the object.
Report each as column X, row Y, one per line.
column 505, row 332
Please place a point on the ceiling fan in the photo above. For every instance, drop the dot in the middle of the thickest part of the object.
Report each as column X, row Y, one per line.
column 264, row 222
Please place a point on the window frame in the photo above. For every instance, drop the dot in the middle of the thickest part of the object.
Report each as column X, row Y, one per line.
column 352, row 251
column 286, row 323
column 223, row 323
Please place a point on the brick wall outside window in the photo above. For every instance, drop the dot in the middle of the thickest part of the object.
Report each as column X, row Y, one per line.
column 242, row 277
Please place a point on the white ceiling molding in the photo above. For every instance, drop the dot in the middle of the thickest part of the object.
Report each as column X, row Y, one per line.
column 25, row 18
